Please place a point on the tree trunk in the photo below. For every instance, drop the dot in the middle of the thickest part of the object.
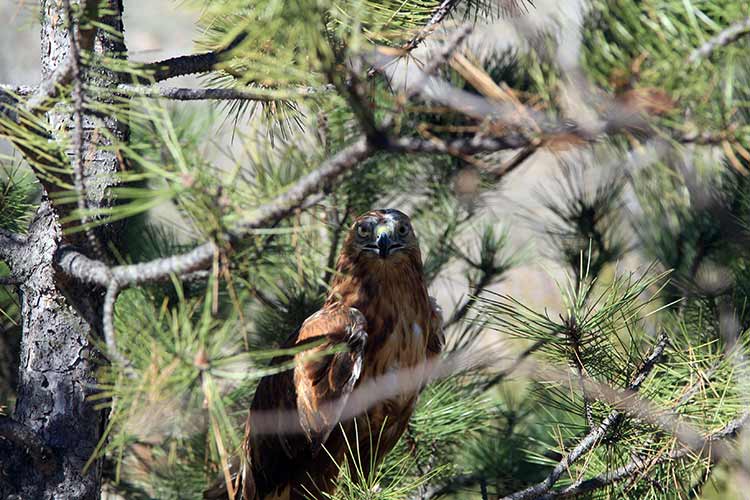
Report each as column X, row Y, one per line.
column 61, row 320
column 57, row 373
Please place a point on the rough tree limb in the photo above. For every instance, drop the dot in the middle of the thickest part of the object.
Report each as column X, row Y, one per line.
column 61, row 318
column 235, row 94
column 81, row 267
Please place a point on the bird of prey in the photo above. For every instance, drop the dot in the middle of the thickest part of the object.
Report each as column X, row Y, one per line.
column 377, row 320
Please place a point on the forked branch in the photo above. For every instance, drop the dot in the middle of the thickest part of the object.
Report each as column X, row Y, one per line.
column 596, row 434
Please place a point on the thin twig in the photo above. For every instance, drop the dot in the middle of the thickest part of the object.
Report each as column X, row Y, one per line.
column 596, row 434
column 636, row 466
column 443, row 11
column 442, row 55
column 513, row 163
column 79, row 180
column 727, row 36
column 108, row 323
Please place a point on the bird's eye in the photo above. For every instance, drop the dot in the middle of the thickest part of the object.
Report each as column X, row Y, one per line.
column 363, row 231
column 403, row 229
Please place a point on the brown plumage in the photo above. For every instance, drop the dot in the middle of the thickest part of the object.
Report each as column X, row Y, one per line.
column 379, row 309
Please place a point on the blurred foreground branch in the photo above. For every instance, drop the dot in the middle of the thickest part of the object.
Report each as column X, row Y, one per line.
column 724, row 38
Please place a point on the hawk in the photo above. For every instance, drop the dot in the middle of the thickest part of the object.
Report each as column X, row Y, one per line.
column 377, row 319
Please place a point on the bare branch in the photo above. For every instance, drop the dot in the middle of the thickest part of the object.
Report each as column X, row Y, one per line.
column 727, row 36
column 464, row 146
column 108, row 324
column 78, row 97
column 234, row 94
column 259, row 94
column 191, row 64
column 513, row 163
column 596, row 434
column 514, row 140
column 81, row 267
column 311, row 183
column 443, row 11
column 637, row 466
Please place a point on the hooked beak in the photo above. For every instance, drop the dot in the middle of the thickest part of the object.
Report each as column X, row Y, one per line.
column 384, row 244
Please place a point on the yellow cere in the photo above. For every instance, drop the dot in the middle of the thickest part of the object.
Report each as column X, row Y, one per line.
column 382, row 228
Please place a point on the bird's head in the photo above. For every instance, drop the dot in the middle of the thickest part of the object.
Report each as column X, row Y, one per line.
column 384, row 234
column 380, row 250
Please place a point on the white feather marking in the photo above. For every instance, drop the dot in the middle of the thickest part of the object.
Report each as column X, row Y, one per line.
column 416, row 329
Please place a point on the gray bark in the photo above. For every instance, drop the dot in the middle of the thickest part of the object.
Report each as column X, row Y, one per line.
column 57, row 372
column 61, row 319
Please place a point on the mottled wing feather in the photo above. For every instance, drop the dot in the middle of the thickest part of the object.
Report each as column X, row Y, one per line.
column 323, row 383
column 284, row 455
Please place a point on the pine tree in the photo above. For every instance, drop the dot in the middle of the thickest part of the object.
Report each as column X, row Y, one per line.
column 150, row 274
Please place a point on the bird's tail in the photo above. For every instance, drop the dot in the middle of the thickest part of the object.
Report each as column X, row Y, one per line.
column 241, row 474
column 243, row 484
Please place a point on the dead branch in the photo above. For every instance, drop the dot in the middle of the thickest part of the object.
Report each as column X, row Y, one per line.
column 638, row 466
column 595, row 435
